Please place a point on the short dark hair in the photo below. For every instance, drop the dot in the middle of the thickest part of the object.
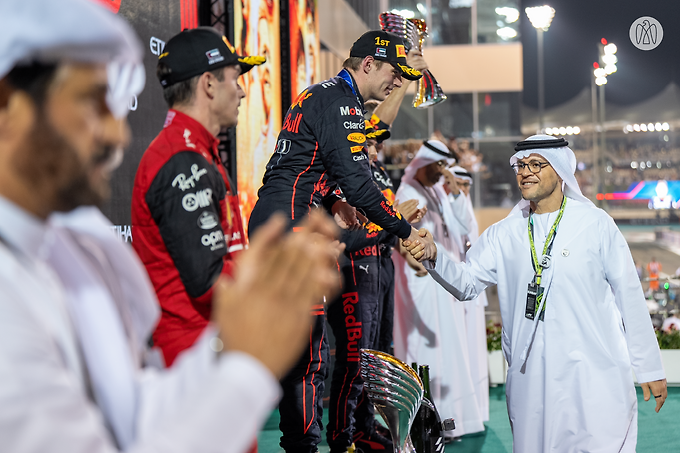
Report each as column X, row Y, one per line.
column 183, row 92
column 354, row 63
column 34, row 79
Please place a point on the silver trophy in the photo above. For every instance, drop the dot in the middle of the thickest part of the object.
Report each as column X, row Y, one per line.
column 414, row 32
column 396, row 391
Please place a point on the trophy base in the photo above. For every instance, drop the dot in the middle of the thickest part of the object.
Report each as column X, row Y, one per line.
column 430, row 102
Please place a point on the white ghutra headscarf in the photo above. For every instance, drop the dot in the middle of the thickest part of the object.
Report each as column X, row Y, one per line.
column 561, row 159
column 50, row 32
column 431, row 151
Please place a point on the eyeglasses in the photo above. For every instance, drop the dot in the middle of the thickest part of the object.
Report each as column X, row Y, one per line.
column 534, row 166
column 464, row 184
column 441, row 163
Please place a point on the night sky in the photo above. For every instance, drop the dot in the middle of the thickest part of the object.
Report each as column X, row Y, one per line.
column 570, row 47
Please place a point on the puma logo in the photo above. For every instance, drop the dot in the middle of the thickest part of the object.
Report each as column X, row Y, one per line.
column 364, row 268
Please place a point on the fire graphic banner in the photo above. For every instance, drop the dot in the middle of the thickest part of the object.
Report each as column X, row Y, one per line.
column 305, row 66
column 256, row 32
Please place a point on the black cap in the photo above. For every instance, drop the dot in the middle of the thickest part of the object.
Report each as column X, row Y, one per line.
column 193, row 52
column 384, row 46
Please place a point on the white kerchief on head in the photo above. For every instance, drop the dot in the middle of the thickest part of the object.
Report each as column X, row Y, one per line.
column 461, row 173
column 562, row 160
column 48, row 32
column 426, row 156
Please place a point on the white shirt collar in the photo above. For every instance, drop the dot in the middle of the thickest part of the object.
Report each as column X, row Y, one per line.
column 20, row 229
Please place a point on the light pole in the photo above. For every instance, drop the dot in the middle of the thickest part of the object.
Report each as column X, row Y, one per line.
column 541, row 17
column 605, row 67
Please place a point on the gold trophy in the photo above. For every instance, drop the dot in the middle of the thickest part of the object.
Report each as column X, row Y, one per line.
column 414, row 32
column 396, row 391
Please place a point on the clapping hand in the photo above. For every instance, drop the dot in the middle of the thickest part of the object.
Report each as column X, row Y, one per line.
column 409, row 210
column 345, row 216
column 265, row 310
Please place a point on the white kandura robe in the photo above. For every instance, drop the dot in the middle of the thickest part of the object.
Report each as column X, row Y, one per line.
column 71, row 344
column 475, row 319
column 574, row 392
column 429, row 326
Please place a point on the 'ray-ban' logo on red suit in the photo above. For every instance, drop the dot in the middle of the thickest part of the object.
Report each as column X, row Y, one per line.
column 112, row 5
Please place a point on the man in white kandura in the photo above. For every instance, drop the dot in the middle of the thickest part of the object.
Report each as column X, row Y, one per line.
column 429, row 326
column 574, row 315
column 475, row 321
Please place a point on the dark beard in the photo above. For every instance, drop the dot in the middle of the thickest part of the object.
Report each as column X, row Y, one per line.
column 56, row 171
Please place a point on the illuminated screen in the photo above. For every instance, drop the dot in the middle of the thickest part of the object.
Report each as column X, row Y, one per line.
column 661, row 194
column 305, row 67
column 256, row 32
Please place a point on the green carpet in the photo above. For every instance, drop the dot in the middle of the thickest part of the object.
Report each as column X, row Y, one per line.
column 655, row 431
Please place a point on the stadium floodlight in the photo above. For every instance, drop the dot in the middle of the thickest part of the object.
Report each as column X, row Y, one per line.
column 506, row 33
column 609, row 59
column 511, row 14
column 540, row 16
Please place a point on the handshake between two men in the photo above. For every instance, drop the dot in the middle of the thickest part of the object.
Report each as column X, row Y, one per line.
column 422, row 248
column 419, row 245
column 282, row 276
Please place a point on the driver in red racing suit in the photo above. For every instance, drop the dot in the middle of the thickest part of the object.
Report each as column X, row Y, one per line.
column 186, row 221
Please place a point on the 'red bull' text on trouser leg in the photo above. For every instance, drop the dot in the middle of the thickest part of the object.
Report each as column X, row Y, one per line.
column 301, row 406
column 353, row 317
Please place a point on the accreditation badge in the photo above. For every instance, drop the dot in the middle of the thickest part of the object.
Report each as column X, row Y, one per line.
column 534, row 296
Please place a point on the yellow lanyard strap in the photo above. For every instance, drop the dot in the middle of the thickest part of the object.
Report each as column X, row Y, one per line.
column 538, row 269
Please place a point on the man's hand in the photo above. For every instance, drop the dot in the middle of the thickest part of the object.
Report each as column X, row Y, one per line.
column 451, row 182
column 265, row 310
column 345, row 215
column 415, row 60
column 388, row 109
column 412, row 263
column 420, row 244
column 658, row 389
column 409, row 210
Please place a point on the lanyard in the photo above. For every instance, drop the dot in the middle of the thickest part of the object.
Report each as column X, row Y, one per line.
column 538, row 266
column 534, row 290
column 345, row 75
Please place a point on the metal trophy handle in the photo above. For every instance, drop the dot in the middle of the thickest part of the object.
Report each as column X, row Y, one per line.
column 414, row 32
column 396, row 391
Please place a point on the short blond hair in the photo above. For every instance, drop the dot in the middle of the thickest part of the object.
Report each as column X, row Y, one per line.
column 354, row 63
